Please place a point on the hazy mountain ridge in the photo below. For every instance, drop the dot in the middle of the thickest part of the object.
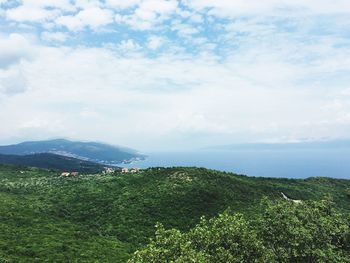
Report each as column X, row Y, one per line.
column 90, row 151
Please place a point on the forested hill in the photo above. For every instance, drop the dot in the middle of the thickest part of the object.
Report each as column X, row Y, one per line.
column 105, row 218
column 52, row 161
column 91, row 151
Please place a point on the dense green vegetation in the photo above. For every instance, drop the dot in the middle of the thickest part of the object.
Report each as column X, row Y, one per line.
column 52, row 161
column 309, row 231
column 45, row 217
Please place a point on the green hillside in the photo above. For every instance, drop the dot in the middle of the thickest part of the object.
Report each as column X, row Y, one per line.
column 45, row 217
column 52, row 161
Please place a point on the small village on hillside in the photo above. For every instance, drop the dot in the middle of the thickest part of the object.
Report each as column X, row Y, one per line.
column 107, row 170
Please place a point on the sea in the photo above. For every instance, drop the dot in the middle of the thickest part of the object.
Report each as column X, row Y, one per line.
column 299, row 163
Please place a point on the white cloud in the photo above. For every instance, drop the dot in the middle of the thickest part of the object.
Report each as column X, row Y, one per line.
column 184, row 30
column 12, row 81
column 128, row 45
column 158, row 6
column 149, row 14
column 54, row 36
column 65, row 5
column 83, row 4
column 269, row 7
column 155, row 42
column 71, row 22
column 31, row 14
column 93, row 17
column 122, row 4
column 38, row 10
column 196, row 18
column 13, row 49
column 169, row 98
column 254, row 77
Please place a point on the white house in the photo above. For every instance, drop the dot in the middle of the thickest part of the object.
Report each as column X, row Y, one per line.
column 125, row 170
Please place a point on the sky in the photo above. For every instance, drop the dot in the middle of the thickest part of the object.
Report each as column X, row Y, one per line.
column 174, row 74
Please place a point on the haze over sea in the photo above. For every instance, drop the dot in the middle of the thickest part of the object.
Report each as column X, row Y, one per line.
column 297, row 163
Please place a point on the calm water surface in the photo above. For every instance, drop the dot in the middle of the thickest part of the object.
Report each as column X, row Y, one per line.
column 269, row 163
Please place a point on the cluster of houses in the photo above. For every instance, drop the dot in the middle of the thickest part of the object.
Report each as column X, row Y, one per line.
column 130, row 170
column 69, row 174
column 107, row 170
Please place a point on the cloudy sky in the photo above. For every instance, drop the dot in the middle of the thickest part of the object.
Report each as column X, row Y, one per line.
column 173, row 74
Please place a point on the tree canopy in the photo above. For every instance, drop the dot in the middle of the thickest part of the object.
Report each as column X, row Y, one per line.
column 284, row 232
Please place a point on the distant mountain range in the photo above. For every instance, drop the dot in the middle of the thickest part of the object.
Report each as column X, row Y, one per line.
column 87, row 151
column 334, row 144
column 53, row 162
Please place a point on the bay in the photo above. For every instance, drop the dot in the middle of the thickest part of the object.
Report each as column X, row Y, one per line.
column 267, row 163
